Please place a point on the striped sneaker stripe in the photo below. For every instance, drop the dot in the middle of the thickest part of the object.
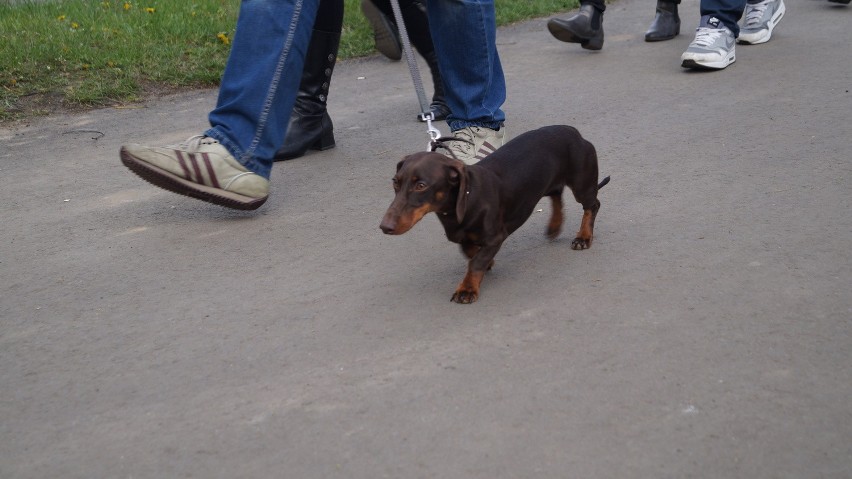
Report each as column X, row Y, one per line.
column 485, row 150
column 199, row 178
column 182, row 161
column 213, row 180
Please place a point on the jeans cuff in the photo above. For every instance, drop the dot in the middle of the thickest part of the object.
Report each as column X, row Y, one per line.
column 459, row 124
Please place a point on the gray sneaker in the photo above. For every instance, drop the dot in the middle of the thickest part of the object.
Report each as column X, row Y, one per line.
column 201, row 168
column 713, row 47
column 760, row 20
column 475, row 143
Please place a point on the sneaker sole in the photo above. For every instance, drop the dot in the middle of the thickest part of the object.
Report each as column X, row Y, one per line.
column 763, row 38
column 176, row 184
column 692, row 64
column 703, row 65
column 383, row 36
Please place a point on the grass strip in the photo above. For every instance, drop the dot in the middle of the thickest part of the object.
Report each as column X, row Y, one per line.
column 91, row 53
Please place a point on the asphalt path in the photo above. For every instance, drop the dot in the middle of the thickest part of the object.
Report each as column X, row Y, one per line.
column 706, row 333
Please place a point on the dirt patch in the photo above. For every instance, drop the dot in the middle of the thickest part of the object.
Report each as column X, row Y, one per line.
column 36, row 105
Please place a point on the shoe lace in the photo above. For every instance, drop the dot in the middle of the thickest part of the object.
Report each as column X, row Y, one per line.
column 705, row 37
column 754, row 15
column 462, row 143
column 193, row 142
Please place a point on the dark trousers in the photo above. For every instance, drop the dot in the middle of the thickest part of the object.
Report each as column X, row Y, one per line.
column 728, row 12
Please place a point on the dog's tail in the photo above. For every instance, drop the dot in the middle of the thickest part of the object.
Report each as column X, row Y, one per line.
column 603, row 182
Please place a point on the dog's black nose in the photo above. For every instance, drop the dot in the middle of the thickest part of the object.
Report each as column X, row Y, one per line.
column 387, row 227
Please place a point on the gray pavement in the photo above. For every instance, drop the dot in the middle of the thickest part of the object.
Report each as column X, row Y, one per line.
column 707, row 332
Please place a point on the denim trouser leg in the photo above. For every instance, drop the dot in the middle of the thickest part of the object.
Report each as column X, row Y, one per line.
column 261, row 79
column 464, row 33
column 728, row 11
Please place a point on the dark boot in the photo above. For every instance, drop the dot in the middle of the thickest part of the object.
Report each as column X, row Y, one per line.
column 385, row 32
column 666, row 24
column 310, row 126
column 417, row 24
column 584, row 27
column 439, row 108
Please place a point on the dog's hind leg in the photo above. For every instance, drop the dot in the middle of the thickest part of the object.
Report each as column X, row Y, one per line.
column 587, row 225
column 554, row 227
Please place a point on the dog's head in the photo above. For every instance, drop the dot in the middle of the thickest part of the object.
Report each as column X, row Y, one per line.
column 425, row 182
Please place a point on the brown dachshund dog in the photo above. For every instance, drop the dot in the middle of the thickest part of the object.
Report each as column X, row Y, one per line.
column 481, row 205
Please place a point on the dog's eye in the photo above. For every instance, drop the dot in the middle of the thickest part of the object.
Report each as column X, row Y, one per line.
column 396, row 184
column 420, row 186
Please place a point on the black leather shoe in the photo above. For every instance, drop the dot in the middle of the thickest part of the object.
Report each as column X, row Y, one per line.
column 440, row 110
column 584, row 27
column 666, row 24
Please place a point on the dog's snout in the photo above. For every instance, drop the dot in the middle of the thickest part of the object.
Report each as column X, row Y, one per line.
column 388, row 225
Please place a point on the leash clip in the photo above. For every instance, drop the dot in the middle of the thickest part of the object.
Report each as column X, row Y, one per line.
column 433, row 132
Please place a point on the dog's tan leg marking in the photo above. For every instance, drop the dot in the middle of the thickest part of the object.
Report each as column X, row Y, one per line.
column 584, row 236
column 556, row 218
column 468, row 290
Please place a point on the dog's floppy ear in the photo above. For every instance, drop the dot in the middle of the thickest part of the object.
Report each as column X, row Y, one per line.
column 458, row 176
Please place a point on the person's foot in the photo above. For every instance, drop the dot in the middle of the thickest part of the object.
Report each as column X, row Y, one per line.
column 760, row 20
column 440, row 110
column 385, row 32
column 473, row 143
column 713, row 46
column 201, row 168
column 584, row 27
column 666, row 24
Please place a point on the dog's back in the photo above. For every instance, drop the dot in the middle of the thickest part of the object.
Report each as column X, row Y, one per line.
column 542, row 161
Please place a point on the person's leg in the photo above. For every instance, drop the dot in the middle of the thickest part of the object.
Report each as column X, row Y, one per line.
column 230, row 164
column 715, row 39
column 385, row 32
column 727, row 11
column 666, row 24
column 584, row 27
column 310, row 125
column 417, row 26
column 761, row 17
column 263, row 73
column 465, row 36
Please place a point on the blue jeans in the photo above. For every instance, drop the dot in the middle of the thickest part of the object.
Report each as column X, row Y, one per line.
column 728, row 12
column 264, row 69
column 465, row 36
column 261, row 78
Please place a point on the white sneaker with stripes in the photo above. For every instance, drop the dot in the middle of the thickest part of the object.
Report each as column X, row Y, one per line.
column 474, row 143
column 201, row 168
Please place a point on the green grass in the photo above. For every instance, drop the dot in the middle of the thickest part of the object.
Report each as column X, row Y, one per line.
column 89, row 53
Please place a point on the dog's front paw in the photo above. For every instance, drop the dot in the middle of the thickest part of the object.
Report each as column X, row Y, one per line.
column 581, row 243
column 465, row 296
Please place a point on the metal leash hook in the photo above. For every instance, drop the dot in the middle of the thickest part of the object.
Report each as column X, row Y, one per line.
column 428, row 116
column 433, row 132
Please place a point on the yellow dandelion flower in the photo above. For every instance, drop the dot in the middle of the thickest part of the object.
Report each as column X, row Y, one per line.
column 75, row 25
column 128, row 5
column 223, row 37
column 150, row 9
column 61, row 18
